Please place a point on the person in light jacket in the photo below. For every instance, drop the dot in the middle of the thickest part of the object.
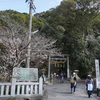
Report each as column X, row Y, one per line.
column 73, row 83
column 89, row 86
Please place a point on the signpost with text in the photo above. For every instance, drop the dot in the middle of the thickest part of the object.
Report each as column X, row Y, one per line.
column 97, row 73
column 25, row 74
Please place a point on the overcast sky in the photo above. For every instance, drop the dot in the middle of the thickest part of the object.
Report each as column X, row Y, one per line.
column 21, row 6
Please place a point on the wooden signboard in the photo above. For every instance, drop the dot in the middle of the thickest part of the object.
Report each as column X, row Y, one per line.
column 25, row 74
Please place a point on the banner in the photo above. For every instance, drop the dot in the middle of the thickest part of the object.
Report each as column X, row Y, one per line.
column 97, row 68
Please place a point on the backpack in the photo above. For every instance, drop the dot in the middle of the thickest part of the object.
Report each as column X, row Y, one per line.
column 72, row 80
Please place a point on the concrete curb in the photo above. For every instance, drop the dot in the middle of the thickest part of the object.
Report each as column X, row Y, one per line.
column 42, row 97
column 45, row 95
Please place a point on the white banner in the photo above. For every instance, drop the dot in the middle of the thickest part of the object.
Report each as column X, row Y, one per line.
column 97, row 73
column 97, row 68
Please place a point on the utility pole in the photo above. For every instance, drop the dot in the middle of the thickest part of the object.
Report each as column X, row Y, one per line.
column 31, row 7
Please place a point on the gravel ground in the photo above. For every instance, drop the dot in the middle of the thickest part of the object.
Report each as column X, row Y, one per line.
column 61, row 91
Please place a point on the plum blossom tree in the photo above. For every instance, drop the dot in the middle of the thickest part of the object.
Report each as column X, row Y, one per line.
column 14, row 44
column 41, row 47
column 13, row 52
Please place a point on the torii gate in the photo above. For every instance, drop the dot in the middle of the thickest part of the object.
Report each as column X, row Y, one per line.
column 51, row 57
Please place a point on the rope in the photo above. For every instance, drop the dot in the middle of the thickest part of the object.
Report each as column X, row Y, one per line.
column 57, row 62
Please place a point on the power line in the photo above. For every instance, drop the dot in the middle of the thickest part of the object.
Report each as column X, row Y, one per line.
column 54, row 29
column 56, row 1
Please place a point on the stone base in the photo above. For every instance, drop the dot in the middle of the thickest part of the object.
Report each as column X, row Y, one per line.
column 98, row 92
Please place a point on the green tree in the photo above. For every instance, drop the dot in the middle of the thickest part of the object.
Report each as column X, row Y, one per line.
column 76, row 18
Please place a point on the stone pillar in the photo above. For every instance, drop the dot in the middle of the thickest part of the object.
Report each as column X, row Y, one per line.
column 49, row 67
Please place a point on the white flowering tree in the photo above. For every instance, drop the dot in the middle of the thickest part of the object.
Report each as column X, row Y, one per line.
column 41, row 47
column 13, row 48
column 13, row 52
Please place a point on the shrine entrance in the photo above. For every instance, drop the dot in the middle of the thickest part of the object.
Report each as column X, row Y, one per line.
column 58, row 64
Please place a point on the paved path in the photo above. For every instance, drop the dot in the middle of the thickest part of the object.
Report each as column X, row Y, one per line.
column 61, row 91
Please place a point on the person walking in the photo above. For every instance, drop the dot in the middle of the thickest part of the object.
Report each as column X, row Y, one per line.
column 51, row 78
column 89, row 86
column 62, row 78
column 73, row 82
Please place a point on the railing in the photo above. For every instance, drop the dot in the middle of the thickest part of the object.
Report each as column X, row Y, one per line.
column 5, row 89
column 21, row 89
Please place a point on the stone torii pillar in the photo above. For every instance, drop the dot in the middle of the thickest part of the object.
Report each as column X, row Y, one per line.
column 49, row 68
